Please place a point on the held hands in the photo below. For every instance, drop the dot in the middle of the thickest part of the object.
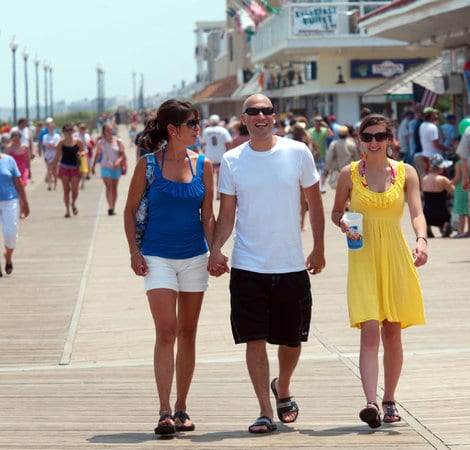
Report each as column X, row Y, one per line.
column 217, row 264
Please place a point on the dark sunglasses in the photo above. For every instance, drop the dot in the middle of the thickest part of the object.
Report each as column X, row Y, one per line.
column 68, row 129
column 192, row 123
column 379, row 137
column 255, row 111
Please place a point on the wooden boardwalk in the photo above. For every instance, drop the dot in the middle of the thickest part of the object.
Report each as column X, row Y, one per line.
column 76, row 348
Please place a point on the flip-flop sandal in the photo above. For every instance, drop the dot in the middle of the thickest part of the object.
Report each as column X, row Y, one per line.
column 391, row 413
column 370, row 415
column 182, row 416
column 8, row 268
column 263, row 421
column 284, row 405
column 164, row 427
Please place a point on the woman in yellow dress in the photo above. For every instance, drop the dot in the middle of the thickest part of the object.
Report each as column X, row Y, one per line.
column 384, row 294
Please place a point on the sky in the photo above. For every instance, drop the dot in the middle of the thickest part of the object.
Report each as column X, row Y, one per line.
column 151, row 37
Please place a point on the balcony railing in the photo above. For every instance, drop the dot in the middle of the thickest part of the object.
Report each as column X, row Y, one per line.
column 298, row 21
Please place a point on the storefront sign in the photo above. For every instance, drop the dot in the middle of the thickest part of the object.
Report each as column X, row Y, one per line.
column 314, row 19
column 374, row 68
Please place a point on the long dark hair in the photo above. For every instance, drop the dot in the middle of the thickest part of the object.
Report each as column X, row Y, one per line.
column 376, row 119
column 172, row 112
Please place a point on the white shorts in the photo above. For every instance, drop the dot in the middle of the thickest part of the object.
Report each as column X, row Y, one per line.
column 9, row 217
column 180, row 275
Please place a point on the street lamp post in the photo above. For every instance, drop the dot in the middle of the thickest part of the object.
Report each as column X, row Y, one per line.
column 26, row 89
column 13, row 47
column 36, row 63
column 134, row 91
column 100, row 94
column 51, row 109
column 46, row 68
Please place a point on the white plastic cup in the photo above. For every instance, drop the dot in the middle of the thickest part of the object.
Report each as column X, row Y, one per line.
column 354, row 236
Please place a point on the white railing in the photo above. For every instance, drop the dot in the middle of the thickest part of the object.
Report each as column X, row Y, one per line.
column 301, row 19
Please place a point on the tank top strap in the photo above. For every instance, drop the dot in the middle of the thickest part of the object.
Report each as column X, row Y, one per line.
column 200, row 166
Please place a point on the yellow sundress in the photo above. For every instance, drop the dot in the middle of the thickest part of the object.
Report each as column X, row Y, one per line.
column 383, row 283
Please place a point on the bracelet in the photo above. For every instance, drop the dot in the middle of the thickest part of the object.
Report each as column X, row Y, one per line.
column 423, row 238
column 339, row 220
column 135, row 253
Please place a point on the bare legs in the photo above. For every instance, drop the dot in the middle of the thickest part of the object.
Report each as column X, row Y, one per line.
column 258, row 368
column 111, row 185
column 51, row 176
column 70, row 185
column 171, row 327
column 392, row 360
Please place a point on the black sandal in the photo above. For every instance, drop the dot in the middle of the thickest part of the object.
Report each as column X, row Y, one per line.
column 8, row 268
column 390, row 412
column 262, row 421
column 182, row 416
column 284, row 405
column 371, row 415
column 165, row 427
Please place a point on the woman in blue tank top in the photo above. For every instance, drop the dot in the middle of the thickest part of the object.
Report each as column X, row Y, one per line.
column 173, row 254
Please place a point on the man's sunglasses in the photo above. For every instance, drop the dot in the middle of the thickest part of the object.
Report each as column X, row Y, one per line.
column 255, row 111
column 192, row 123
column 379, row 137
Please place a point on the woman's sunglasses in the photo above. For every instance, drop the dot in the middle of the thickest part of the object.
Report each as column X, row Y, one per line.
column 192, row 123
column 379, row 137
column 255, row 111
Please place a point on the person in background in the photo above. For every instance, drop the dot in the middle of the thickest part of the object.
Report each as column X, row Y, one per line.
column 19, row 152
column 436, row 187
column 384, row 293
column 460, row 203
column 173, row 257
column 463, row 150
column 269, row 283
column 110, row 153
column 216, row 139
column 13, row 205
column 299, row 133
column 404, row 137
column 320, row 133
column 341, row 152
column 41, row 132
column 449, row 132
column 334, row 126
column 26, row 140
column 239, row 134
column 67, row 158
column 50, row 141
column 85, row 163
column 429, row 137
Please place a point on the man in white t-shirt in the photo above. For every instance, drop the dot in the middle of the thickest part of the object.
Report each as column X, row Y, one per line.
column 260, row 185
column 429, row 137
column 215, row 142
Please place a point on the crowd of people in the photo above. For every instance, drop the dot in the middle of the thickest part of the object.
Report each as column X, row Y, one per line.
column 250, row 163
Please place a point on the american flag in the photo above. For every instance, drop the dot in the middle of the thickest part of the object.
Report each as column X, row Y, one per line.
column 256, row 9
column 423, row 97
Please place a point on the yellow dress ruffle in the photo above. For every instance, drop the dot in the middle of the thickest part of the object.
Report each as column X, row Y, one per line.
column 383, row 282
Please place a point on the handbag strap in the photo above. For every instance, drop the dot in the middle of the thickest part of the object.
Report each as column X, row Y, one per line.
column 150, row 168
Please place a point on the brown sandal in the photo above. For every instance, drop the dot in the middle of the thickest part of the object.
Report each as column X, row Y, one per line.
column 371, row 415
